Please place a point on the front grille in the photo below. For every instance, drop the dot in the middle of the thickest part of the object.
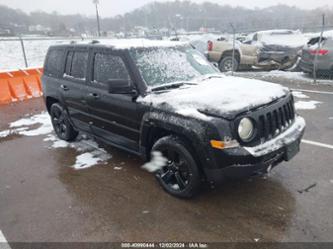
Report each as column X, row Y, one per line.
column 276, row 120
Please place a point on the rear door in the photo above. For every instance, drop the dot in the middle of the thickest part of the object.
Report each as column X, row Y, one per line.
column 114, row 116
column 73, row 87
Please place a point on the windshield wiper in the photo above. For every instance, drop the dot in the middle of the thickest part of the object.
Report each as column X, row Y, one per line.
column 171, row 85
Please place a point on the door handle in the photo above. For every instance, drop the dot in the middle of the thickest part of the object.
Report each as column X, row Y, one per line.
column 93, row 95
column 64, row 87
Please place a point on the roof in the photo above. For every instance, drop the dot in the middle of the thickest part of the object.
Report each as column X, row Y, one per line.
column 127, row 43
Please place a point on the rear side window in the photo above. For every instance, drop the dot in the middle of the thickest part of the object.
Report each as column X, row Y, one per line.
column 108, row 66
column 54, row 62
column 76, row 64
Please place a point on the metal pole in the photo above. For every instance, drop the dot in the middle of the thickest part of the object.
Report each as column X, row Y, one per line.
column 96, row 2
column 317, row 52
column 233, row 47
column 23, row 51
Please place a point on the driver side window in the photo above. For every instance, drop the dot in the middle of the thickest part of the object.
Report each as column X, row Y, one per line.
column 109, row 67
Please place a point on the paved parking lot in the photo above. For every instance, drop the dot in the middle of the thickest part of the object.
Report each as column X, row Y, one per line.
column 43, row 199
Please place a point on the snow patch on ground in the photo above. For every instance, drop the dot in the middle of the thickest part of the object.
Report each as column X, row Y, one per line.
column 300, row 95
column 89, row 159
column 295, row 77
column 307, row 105
column 89, row 153
column 39, row 124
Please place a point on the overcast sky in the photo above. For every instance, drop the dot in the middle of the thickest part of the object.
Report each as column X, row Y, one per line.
column 112, row 7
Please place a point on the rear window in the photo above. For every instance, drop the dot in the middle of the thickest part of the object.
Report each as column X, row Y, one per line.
column 54, row 62
column 76, row 64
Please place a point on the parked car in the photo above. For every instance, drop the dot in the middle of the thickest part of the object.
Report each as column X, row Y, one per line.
column 221, row 52
column 324, row 58
column 144, row 96
column 282, row 46
column 268, row 50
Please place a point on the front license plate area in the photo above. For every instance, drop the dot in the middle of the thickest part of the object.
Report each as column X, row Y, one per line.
column 291, row 150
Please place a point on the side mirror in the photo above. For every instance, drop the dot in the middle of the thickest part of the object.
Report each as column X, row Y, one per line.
column 120, row 86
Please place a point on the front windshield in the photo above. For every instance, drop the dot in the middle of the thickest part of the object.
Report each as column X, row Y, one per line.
column 159, row 66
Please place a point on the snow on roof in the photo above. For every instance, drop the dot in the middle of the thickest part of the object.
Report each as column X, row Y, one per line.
column 291, row 40
column 279, row 32
column 140, row 43
column 282, row 37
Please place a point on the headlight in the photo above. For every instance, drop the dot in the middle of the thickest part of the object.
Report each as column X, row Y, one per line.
column 245, row 129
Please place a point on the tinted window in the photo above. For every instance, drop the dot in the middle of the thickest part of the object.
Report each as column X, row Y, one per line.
column 69, row 63
column 54, row 62
column 107, row 66
column 79, row 65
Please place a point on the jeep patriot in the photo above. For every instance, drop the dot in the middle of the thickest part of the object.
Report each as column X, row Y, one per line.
column 144, row 96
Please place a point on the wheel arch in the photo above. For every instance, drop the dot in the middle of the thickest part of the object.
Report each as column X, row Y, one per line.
column 229, row 53
column 153, row 130
column 50, row 101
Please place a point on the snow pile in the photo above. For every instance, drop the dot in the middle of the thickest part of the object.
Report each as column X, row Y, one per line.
column 157, row 162
column 307, row 105
column 219, row 94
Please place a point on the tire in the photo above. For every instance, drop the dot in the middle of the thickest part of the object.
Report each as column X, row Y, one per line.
column 61, row 124
column 225, row 64
column 181, row 176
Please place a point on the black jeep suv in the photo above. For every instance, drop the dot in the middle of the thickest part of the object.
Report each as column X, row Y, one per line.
column 144, row 96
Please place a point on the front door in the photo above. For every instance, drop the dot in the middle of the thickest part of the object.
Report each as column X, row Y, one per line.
column 114, row 116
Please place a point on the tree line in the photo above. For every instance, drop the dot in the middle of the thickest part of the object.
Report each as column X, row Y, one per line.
column 172, row 15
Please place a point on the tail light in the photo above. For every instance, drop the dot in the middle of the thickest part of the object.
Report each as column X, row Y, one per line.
column 319, row 52
column 210, row 45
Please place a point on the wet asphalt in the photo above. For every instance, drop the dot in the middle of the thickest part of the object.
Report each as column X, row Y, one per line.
column 43, row 200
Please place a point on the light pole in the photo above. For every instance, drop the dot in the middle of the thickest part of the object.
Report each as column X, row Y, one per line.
column 96, row 2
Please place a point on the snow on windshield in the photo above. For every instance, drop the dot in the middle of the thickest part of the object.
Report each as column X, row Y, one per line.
column 166, row 65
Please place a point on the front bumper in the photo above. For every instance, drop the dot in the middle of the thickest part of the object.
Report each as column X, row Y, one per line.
column 259, row 159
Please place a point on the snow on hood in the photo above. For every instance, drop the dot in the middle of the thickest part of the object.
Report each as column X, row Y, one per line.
column 219, row 95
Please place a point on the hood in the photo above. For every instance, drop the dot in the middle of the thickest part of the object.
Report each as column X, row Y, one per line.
column 220, row 95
